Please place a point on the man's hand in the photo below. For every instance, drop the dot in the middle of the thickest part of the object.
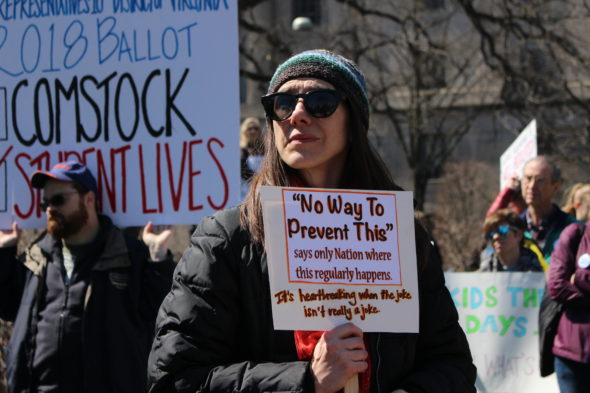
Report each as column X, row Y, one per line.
column 514, row 182
column 338, row 356
column 9, row 237
column 156, row 238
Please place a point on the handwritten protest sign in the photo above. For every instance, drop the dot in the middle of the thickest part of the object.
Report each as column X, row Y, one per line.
column 518, row 153
column 144, row 93
column 338, row 256
column 499, row 313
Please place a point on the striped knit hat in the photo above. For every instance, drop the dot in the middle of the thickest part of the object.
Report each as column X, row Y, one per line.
column 330, row 67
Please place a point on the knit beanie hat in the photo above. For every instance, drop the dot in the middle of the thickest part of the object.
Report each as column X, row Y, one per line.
column 330, row 67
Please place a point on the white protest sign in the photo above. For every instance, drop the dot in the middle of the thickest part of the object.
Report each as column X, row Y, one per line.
column 518, row 153
column 144, row 93
column 499, row 313
column 337, row 256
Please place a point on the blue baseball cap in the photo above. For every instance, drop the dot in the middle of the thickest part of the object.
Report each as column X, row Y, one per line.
column 66, row 171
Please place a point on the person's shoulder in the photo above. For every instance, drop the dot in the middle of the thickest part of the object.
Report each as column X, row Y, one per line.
column 244, row 153
column 133, row 243
column 563, row 218
column 227, row 218
column 427, row 252
column 529, row 261
column 223, row 223
column 40, row 248
column 43, row 241
column 571, row 231
column 216, row 245
column 118, row 242
column 574, row 226
column 486, row 257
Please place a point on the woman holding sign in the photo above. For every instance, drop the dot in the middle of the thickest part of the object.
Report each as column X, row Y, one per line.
column 215, row 331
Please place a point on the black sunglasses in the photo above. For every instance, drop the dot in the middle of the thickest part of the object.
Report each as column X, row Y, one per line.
column 56, row 201
column 318, row 103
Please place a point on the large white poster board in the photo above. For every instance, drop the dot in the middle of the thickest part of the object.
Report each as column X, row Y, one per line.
column 337, row 256
column 499, row 313
column 145, row 93
column 518, row 153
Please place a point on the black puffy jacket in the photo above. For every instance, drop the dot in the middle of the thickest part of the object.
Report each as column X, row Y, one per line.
column 214, row 331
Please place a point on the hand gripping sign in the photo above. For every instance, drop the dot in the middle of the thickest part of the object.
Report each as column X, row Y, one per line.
column 339, row 256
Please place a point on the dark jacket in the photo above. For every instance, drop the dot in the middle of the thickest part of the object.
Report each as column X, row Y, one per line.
column 571, row 257
column 120, row 306
column 215, row 331
column 553, row 225
column 527, row 262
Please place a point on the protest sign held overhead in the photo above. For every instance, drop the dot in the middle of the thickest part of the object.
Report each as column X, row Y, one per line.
column 339, row 256
column 145, row 94
column 518, row 153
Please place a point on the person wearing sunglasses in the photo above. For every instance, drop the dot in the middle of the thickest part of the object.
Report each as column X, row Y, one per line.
column 541, row 181
column 83, row 296
column 214, row 330
column 507, row 249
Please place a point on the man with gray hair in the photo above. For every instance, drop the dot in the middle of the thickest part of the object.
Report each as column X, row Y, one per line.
column 545, row 220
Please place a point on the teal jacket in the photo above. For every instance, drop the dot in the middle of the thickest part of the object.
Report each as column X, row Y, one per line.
column 555, row 223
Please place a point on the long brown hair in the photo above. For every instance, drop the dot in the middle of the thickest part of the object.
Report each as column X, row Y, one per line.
column 364, row 170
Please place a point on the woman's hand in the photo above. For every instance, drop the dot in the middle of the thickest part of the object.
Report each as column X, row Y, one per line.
column 338, row 356
column 156, row 238
column 9, row 238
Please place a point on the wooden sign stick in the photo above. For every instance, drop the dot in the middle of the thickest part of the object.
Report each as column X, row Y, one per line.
column 352, row 386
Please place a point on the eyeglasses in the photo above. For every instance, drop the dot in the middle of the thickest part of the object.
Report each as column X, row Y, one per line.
column 318, row 103
column 56, row 201
column 502, row 231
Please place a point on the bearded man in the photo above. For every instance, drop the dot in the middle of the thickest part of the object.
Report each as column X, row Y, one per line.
column 84, row 296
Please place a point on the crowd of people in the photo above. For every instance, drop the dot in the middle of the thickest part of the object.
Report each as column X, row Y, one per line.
column 526, row 231
column 96, row 310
